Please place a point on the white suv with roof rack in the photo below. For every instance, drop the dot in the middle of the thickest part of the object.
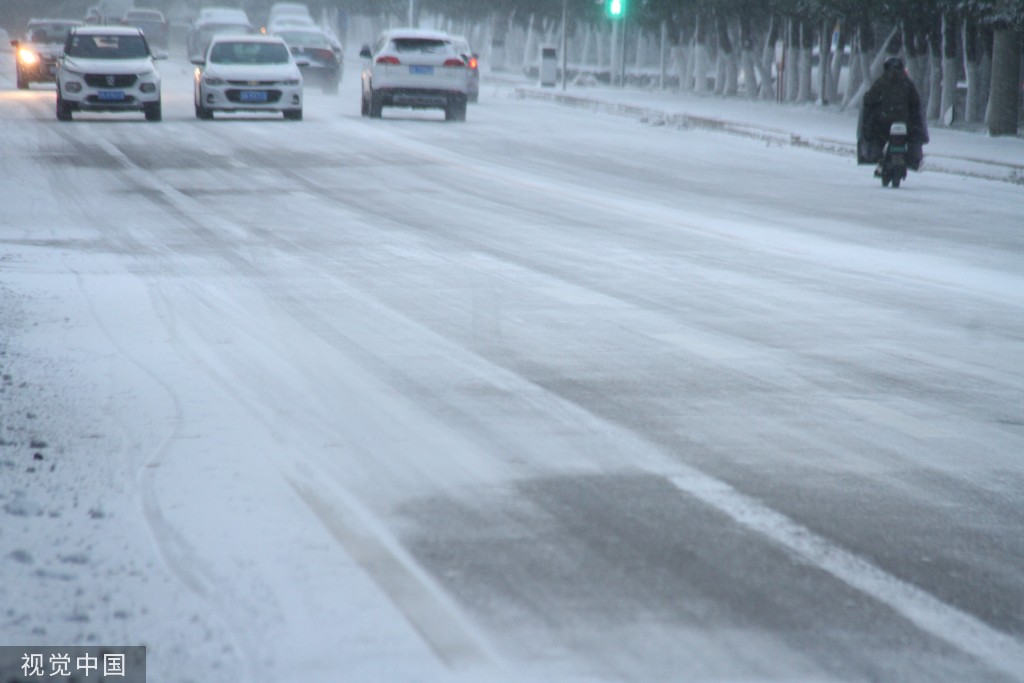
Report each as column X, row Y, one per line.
column 417, row 69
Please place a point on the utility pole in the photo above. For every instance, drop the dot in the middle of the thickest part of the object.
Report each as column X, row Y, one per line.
column 412, row 13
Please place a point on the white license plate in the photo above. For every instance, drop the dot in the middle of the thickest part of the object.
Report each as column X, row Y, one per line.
column 421, row 70
column 111, row 95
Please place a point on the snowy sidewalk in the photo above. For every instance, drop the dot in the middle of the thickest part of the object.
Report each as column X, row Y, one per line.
column 827, row 129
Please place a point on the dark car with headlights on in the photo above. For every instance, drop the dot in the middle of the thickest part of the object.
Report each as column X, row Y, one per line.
column 35, row 56
column 314, row 46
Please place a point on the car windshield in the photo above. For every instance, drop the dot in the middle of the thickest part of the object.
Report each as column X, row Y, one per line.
column 304, row 38
column 241, row 52
column 143, row 16
column 107, row 47
column 423, row 45
column 48, row 33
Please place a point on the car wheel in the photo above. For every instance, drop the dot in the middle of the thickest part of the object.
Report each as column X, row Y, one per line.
column 63, row 110
column 202, row 113
column 376, row 105
column 364, row 108
column 154, row 112
column 293, row 114
column 474, row 97
column 456, row 110
column 22, row 81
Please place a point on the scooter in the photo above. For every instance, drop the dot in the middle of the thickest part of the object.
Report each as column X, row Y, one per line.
column 894, row 159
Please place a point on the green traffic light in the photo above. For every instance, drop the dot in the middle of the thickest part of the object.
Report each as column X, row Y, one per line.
column 615, row 8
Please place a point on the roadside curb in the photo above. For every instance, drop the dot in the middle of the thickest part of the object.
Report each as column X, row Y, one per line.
column 963, row 166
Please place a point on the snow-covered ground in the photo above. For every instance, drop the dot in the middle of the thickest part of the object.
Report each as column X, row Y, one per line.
column 553, row 395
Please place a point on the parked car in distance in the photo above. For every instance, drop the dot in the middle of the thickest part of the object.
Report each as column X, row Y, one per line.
column 152, row 22
column 108, row 68
column 473, row 62
column 414, row 68
column 213, row 21
column 36, row 55
column 280, row 10
column 312, row 44
column 254, row 73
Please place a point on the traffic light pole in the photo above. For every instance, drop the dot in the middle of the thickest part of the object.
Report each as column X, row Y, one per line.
column 622, row 55
column 613, row 53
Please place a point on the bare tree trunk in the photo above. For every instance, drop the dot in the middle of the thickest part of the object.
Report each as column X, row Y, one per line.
column 768, row 59
column 972, row 68
column 792, row 60
column 1004, row 99
column 934, row 70
column 725, row 79
column 824, row 60
column 950, row 68
column 838, row 57
column 747, row 58
column 984, row 70
column 916, row 48
column 684, row 63
column 856, row 75
column 805, row 91
column 700, row 56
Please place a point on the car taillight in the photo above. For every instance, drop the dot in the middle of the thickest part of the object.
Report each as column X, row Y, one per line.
column 454, row 62
column 387, row 59
column 472, row 62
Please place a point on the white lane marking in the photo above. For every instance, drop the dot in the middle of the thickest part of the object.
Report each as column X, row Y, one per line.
column 964, row 631
column 425, row 604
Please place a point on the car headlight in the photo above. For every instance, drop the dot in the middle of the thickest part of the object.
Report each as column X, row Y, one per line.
column 293, row 81
column 149, row 73
column 27, row 57
column 148, row 87
column 213, row 80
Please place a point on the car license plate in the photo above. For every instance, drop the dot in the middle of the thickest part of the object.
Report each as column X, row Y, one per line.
column 111, row 95
column 421, row 70
column 254, row 96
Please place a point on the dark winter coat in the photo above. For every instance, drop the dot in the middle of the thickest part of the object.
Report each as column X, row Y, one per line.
column 891, row 99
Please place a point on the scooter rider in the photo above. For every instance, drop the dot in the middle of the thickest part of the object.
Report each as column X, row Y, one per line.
column 891, row 99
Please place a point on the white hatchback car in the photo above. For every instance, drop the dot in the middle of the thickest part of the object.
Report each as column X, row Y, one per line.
column 248, row 73
column 415, row 68
column 108, row 68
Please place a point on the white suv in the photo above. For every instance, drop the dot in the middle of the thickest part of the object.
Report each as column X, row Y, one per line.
column 108, row 68
column 414, row 68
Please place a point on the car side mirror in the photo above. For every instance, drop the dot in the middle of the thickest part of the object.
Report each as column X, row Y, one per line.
column 302, row 62
column 198, row 61
column 160, row 54
column 365, row 52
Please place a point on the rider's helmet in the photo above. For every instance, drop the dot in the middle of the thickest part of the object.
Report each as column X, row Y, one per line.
column 894, row 65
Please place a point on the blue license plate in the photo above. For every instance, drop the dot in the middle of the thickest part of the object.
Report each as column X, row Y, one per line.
column 111, row 95
column 254, row 96
column 421, row 70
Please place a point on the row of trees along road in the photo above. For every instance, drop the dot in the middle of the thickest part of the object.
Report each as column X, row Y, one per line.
column 729, row 46
column 722, row 45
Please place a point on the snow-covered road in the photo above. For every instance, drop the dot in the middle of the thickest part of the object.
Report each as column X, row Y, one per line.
column 550, row 395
